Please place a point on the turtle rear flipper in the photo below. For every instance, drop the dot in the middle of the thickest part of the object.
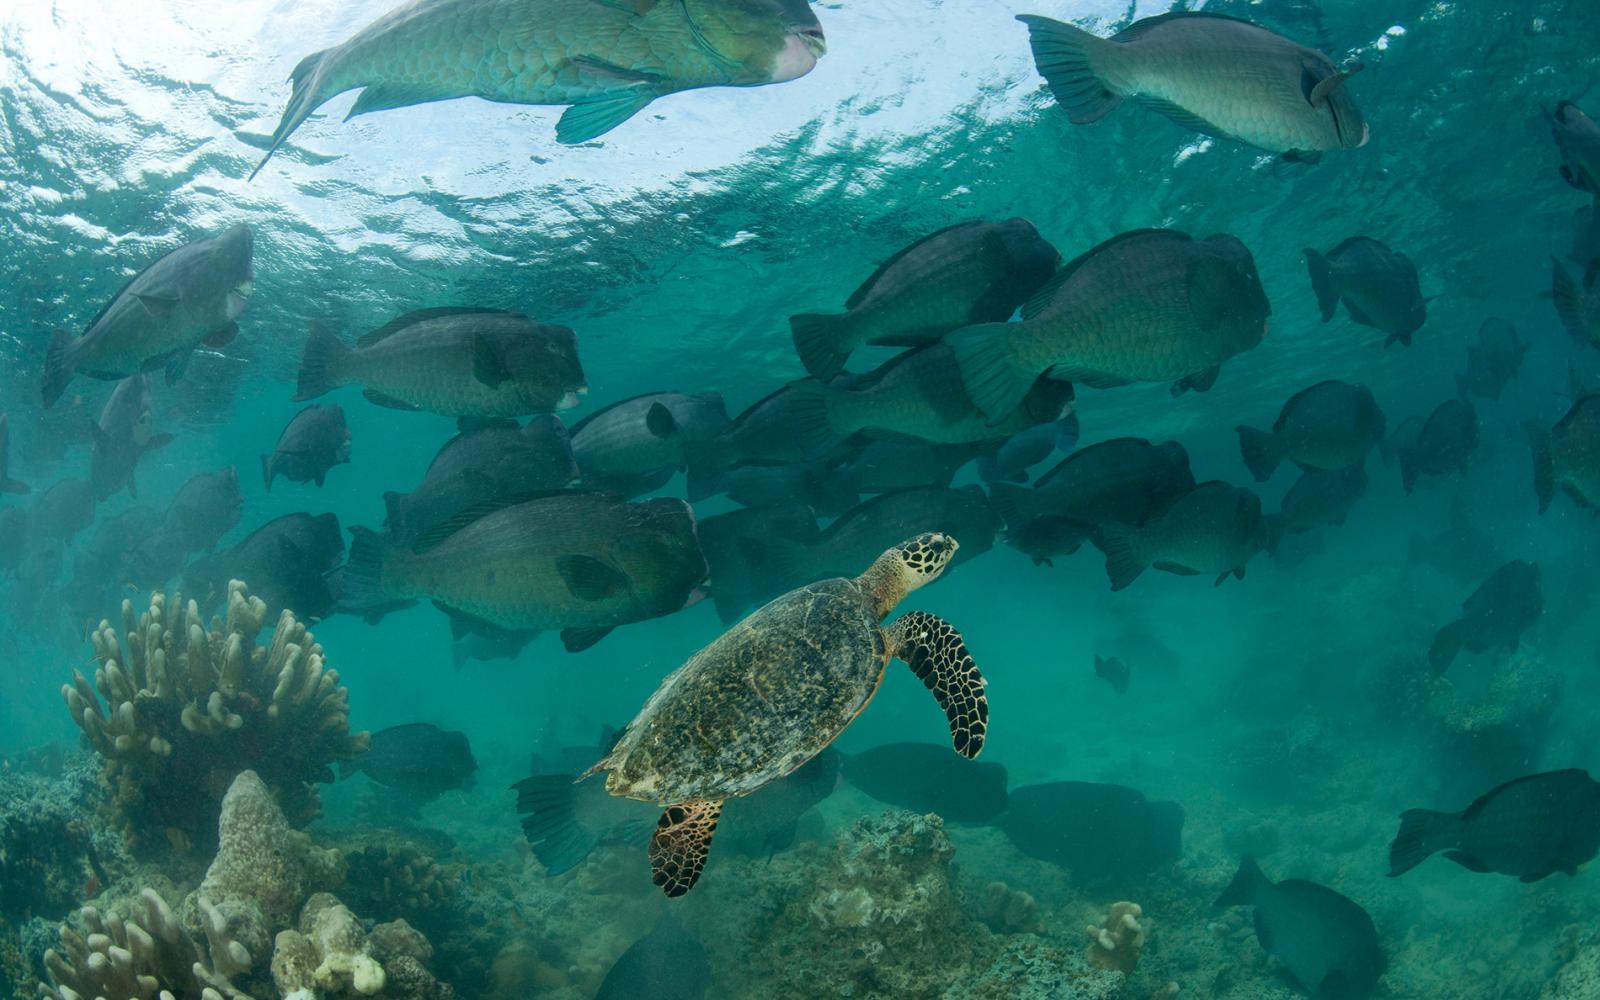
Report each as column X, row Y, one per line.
column 938, row 655
column 682, row 840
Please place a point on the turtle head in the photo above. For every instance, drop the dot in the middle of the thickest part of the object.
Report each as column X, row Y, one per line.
column 907, row 566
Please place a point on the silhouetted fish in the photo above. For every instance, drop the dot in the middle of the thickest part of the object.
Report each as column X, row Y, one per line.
column 63, row 510
column 928, row 778
column 1578, row 139
column 1460, row 550
column 207, row 506
column 1325, row 939
column 764, row 432
column 1319, row 497
column 1577, row 300
column 1502, row 608
column 1379, row 287
column 190, row 295
column 1010, row 461
column 890, row 463
column 418, row 758
column 314, row 441
column 1493, row 361
column 1213, row 530
column 735, row 546
column 1529, row 827
column 7, row 484
column 123, row 435
column 286, row 563
column 764, row 484
column 1105, row 834
column 1113, row 671
column 491, row 462
column 972, row 272
column 669, row 963
column 1444, row 443
column 1128, row 480
column 1331, row 425
column 1568, row 455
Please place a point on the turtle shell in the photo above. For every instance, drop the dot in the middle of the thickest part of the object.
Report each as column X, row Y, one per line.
column 764, row 698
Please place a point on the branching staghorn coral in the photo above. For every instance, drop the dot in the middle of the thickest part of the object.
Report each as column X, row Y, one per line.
column 147, row 956
column 187, row 708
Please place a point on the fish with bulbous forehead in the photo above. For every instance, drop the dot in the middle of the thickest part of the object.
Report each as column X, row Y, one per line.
column 191, row 295
column 608, row 59
column 1220, row 76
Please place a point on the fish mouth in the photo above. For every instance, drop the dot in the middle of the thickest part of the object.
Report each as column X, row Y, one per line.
column 799, row 55
column 245, row 288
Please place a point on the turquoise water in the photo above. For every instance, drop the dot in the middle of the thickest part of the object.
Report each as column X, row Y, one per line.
column 1295, row 727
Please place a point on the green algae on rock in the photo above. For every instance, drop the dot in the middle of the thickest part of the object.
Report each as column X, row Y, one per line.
column 187, row 709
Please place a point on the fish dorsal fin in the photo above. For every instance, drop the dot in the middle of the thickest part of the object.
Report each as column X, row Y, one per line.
column 1323, row 89
column 1482, row 801
column 1145, row 25
column 431, row 538
column 416, row 316
column 861, row 293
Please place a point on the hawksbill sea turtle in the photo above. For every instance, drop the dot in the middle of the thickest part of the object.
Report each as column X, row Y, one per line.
column 774, row 690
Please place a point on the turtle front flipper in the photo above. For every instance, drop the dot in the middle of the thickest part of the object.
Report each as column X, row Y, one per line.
column 938, row 655
column 681, row 842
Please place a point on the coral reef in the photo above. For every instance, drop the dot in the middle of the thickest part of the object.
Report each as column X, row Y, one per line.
column 262, row 863
column 1117, row 942
column 331, row 955
column 187, row 709
column 1010, row 911
column 142, row 955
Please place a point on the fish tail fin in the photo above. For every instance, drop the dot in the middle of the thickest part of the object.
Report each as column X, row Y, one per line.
column 1063, row 55
column 821, row 342
column 319, row 365
column 1261, row 451
column 994, row 380
column 266, row 472
column 362, row 586
column 1247, row 881
column 1445, row 646
column 305, row 98
column 550, row 822
column 1322, row 283
column 57, row 366
column 1544, row 466
column 1568, row 300
column 1422, row 833
column 1123, row 563
column 702, row 469
column 812, row 405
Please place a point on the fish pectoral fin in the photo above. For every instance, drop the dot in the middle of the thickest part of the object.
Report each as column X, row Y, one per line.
column 387, row 96
column 658, row 420
column 1183, row 116
column 588, row 578
column 576, row 640
column 595, row 117
column 159, row 306
column 1469, row 862
column 1324, row 88
column 1199, row 381
column 223, row 336
column 488, row 366
column 377, row 398
column 176, row 366
column 609, row 74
